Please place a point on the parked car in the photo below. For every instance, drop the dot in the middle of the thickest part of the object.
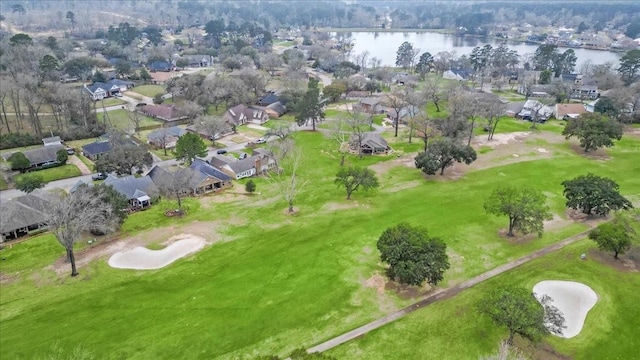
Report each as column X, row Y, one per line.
column 140, row 104
column 71, row 151
column 243, row 156
column 261, row 141
column 221, row 151
column 117, row 95
column 99, row 176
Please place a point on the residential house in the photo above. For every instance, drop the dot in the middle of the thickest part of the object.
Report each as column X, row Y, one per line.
column 95, row 150
column 198, row 182
column 165, row 138
column 355, row 94
column 103, row 90
column 371, row 144
column 568, row 111
column 44, row 156
column 54, row 140
column 275, row 110
column 241, row 114
column 138, row 191
column 514, row 108
column 371, row 105
column 404, row 79
column 581, row 87
column 268, row 99
column 534, row 110
column 535, row 90
column 199, row 60
column 259, row 163
column 160, row 66
column 456, row 74
column 222, row 180
column 170, row 114
column 22, row 215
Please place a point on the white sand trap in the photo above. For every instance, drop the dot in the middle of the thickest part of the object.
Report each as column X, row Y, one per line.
column 572, row 298
column 141, row 258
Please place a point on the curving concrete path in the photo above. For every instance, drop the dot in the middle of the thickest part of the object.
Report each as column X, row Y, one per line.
column 443, row 294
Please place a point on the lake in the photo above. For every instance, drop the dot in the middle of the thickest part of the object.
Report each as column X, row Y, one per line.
column 384, row 46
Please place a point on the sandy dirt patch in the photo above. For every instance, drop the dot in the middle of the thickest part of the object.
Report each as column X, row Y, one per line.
column 572, row 298
column 141, row 258
column 108, row 246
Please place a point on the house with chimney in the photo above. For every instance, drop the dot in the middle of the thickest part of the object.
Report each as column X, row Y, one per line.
column 257, row 164
column 242, row 114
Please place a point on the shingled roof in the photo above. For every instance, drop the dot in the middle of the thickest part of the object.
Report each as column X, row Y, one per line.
column 163, row 112
column 44, row 154
column 96, row 148
column 132, row 187
column 22, row 212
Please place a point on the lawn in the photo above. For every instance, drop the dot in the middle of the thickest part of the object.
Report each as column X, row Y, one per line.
column 119, row 119
column 3, row 183
column 112, row 102
column 420, row 334
column 55, row 173
column 275, row 282
column 149, row 90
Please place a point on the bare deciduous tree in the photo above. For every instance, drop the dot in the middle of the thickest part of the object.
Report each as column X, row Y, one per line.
column 69, row 216
column 213, row 126
column 281, row 131
column 176, row 184
column 287, row 178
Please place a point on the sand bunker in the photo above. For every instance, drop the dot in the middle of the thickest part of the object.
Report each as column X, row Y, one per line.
column 141, row 258
column 573, row 299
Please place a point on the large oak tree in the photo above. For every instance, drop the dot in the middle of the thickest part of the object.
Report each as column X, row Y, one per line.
column 524, row 206
column 594, row 194
column 443, row 153
column 593, row 130
column 413, row 256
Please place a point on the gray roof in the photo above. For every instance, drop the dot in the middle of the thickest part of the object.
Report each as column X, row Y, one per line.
column 170, row 131
column 53, row 139
column 514, row 107
column 22, row 212
column 244, row 164
column 100, row 147
column 202, row 166
column 374, row 141
column 43, row 154
column 277, row 107
column 220, row 161
column 130, row 185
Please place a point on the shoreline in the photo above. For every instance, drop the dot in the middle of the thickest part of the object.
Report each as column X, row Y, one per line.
column 452, row 32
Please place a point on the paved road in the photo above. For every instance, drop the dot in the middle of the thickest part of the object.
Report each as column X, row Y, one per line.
column 442, row 295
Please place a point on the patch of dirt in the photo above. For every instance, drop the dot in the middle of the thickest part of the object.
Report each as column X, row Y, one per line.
column 579, row 216
column 408, row 291
column 376, row 282
column 382, row 167
column 403, row 186
column 348, row 204
column 623, row 263
column 598, row 155
column 541, row 351
column 165, row 236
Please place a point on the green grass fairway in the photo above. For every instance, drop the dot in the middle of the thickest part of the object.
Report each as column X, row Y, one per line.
column 148, row 90
column 453, row 329
column 55, row 173
column 274, row 282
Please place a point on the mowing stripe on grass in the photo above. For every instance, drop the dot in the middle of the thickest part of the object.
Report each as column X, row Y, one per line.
column 444, row 294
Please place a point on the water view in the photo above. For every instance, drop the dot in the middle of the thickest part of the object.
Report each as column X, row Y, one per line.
column 384, row 46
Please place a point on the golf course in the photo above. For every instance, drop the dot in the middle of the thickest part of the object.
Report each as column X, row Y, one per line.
column 268, row 282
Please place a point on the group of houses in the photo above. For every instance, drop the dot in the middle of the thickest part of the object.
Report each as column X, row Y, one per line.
column 45, row 156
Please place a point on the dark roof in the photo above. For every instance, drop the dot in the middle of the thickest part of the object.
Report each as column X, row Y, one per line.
column 173, row 131
column 160, row 65
column 133, row 187
column 202, row 166
column 96, row 148
column 268, row 99
column 22, row 212
column 373, row 100
column 105, row 86
column 43, row 154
